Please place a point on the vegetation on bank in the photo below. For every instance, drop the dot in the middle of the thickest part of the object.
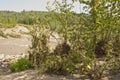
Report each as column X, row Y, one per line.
column 20, row 65
column 87, row 39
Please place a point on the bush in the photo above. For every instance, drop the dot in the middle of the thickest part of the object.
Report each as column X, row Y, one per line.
column 38, row 49
column 20, row 65
column 61, row 65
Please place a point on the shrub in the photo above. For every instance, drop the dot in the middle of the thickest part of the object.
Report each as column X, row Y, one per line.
column 20, row 65
column 113, row 64
column 61, row 65
column 39, row 49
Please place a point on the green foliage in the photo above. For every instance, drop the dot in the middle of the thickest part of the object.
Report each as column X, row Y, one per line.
column 20, row 65
column 62, row 14
column 88, row 37
column 39, row 49
column 61, row 65
column 92, row 35
column 113, row 64
column 10, row 18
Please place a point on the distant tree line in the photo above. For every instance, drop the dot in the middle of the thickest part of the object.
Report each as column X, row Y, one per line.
column 11, row 18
